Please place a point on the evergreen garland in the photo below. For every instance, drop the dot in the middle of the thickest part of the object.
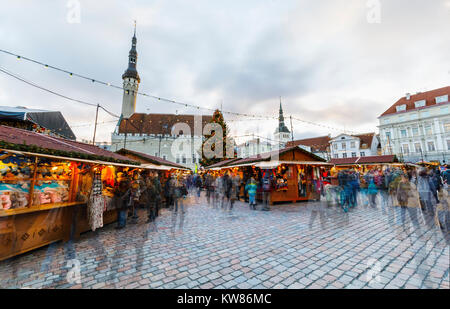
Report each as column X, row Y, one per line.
column 62, row 153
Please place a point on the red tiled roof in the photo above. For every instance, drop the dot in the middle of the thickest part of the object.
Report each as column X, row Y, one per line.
column 140, row 123
column 320, row 143
column 19, row 136
column 365, row 160
column 429, row 96
column 365, row 139
column 149, row 158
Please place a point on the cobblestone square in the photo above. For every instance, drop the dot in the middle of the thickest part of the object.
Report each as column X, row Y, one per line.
column 303, row 245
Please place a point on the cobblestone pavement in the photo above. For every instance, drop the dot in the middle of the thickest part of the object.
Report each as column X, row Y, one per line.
column 292, row 246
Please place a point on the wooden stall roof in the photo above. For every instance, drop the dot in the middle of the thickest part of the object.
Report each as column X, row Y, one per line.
column 146, row 159
column 365, row 160
column 26, row 153
column 220, row 164
column 302, row 155
column 299, row 156
column 24, row 139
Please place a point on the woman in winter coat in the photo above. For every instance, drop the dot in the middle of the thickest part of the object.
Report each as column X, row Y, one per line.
column 408, row 201
column 372, row 192
column 251, row 188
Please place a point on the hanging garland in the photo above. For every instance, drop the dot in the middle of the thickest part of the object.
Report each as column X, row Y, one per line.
column 61, row 153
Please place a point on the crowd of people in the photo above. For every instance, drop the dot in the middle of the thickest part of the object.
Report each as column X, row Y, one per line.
column 398, row 191
column 146, row 191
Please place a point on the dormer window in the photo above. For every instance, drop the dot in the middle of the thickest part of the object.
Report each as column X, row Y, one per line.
column 442, row 99
column 420, row 103
column 401, row 108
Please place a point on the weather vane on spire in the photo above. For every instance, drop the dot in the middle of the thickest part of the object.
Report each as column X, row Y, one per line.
column 134, row 27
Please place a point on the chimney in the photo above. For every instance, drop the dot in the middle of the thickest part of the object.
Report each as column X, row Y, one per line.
column 408, row 96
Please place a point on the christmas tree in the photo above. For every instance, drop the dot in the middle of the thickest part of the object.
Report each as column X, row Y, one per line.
column 221, row 143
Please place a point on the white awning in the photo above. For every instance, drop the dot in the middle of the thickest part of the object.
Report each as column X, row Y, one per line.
column 275, row 164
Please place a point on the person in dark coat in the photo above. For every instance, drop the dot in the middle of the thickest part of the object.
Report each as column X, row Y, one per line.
column 168, row 193
column 123, row 199
column 157, row 188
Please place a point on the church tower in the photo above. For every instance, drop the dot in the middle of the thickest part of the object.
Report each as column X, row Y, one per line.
column 131, row 81
column 282, row 133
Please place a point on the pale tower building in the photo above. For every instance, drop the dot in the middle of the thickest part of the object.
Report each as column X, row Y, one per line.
column 282, row 133
column 131, row 82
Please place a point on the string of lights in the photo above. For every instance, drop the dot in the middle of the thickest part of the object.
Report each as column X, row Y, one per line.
column 144, row 94
column 9, row 73
column 92, row 124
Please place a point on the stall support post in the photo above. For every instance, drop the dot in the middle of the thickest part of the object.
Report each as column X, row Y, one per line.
column 32, row 183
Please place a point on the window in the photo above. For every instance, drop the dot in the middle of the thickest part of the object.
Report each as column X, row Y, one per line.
column 425, row 114
column 418, row 147
column 363, row 154
column 178, row 159
column 164, row 157
column 431, row 146
column 156, row 154
column 415, row 131
column 388, row 136
column 343, row 145
column 448, row 144
column 442, row 99
column 403, row 133
column 444, row 110
column 353, row 154
column 335, row 146
column 420, row 103
column 386, row 120
column 344, row 155
column 428, row 130
column 401, row 118
column 401, row 108
column 184, row 159
column 336, row 156
column 447, row 127
column 405, row 148
column 352, row 145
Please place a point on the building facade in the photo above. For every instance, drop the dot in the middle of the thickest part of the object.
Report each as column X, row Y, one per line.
column 417, row 127
column 253, row 147
column 352, row 146
column 173, row 137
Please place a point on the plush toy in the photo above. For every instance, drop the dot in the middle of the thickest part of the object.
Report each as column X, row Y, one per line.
column 55, row 197
column 64, row 195
column 44, row 198
column 5, row 199
column 22, row 200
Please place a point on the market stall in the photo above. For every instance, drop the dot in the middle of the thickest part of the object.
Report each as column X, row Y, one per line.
column 294, row 173
column 47, row 198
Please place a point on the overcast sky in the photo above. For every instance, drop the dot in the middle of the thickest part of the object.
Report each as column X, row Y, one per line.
column 330, row 60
